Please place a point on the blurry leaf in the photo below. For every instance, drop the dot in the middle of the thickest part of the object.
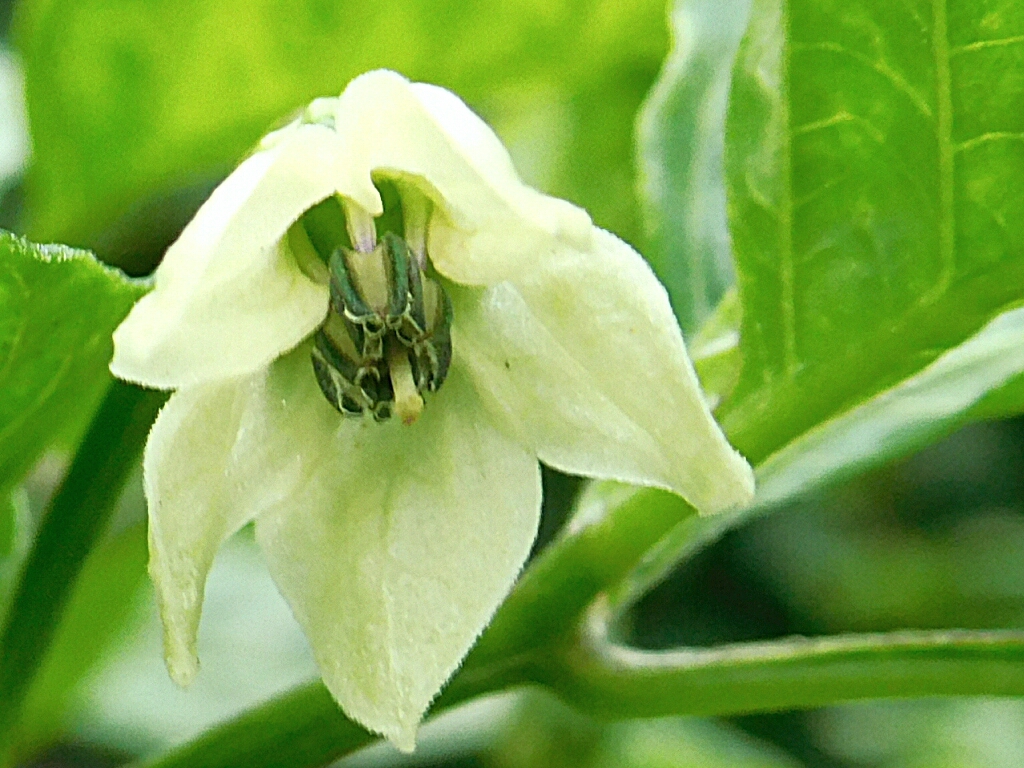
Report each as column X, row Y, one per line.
column 103, row 601
column 687, row 743
column 544, row 733
column 129, row 99
column 902, row 419
column 715, row 349
column 933, row 541
column 58, row 308
column 931, row 733
column 680, row 141
column 840, row 573
column 873, row 161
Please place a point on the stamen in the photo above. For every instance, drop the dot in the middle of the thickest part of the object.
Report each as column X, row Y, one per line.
column 408, row 403
column 361, row 229
column 305, row 254
column 386, row 341
column 416, row 210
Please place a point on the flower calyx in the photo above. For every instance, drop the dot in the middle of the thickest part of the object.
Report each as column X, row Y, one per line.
column 387, row 337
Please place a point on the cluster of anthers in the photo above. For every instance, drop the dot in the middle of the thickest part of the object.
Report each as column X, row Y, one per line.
column 386, row 340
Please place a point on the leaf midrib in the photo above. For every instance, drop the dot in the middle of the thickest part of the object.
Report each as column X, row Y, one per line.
column 945, row 202
column 946, row 150
column 791, row 363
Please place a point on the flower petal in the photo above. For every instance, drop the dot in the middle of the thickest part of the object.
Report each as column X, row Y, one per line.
column 212, row 463
column 492, row 225
column 229, row 296
column 584, row 359
column 399, row 546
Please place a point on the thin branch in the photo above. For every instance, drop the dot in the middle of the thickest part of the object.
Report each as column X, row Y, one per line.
column 792, row 673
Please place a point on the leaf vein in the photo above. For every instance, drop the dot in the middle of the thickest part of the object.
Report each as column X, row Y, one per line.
column 787, row 279
column 987, row 138
column 880, row 66
column 981, row 45
column 944, row 136
column 839, row 119
column 873, row 132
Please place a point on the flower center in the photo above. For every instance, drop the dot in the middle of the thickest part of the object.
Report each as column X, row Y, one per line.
column 386, row 341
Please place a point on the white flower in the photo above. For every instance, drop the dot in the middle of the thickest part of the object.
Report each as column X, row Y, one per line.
column 394, row 544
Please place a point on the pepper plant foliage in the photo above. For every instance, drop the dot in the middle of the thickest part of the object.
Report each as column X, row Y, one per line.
column 856, row 168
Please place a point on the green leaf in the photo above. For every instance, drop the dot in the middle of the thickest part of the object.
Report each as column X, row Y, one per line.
column 58, row 307
column 874, row 154
column 688, row 743
column 899, row 420
column 130, row 100
column 680, row 141
column 542, row 732
column 1001, row 403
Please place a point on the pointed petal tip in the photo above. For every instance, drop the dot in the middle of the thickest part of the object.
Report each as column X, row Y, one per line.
column 399, row 728
column 397, row 721
column 129, row 362
column 367, row 567
column 182, row 663
column 135, row 371
column 735, row 487
column 404, row 737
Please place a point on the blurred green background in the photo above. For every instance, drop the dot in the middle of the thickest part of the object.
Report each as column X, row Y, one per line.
column 137, row 107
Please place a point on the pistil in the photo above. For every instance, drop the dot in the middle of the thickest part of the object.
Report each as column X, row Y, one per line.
column 408, row 403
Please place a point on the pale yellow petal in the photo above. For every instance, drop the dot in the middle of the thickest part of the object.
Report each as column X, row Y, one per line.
column 398, row 547
column 229, row 296
column 214, row 460
column 492, row 225
column 583, row 359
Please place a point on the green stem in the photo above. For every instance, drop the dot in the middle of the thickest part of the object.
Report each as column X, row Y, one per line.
column 304, row 728
column 76, row 518
column 564, row 580
column 792, row 673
